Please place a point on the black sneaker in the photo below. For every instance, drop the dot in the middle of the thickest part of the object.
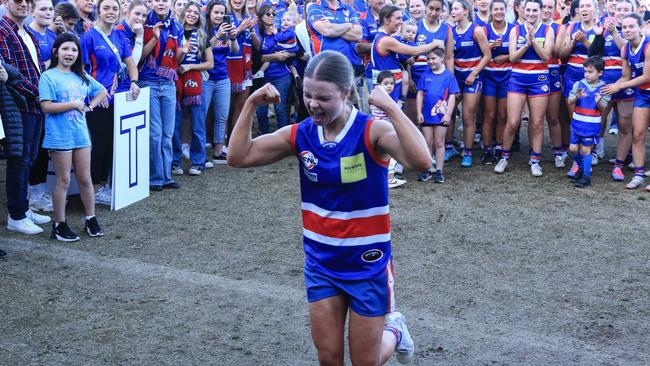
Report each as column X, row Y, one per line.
column 156, row 188
column 425, row 176
column 92, row 227
column 219, row 159
column 438, row 177
column 582, row 182
column 488, row 158
column 62, row 232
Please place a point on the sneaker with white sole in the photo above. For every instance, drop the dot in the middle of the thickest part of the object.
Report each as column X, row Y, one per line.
column 208, row 165
column 635, row 183
column 395, row 182
column 536, row 170
column 220, row 159
column 42, row 202
column 617, row 174
column 501, row 166
column 594, row 158
column 600, row 149
column 102, row 197
column 405, row 349
column 176, row 170
column 92, row 228
column 194, row 170
column 62, row 232
column 24, row 226
column 36, row 218
column 559, row 161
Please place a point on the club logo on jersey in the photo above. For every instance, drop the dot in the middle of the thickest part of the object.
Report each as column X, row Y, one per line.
column 521, row 41
column 421, row 38
column 372, row 255
column 310, row 175
column 308, row 159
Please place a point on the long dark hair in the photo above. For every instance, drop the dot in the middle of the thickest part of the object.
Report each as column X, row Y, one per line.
column 209, row 27
column 77, row 67
column 260, row 13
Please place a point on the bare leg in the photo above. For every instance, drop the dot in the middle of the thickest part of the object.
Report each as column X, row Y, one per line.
column 439, row 133
column 62, row 164
column 369, row 343
column 502, row 118
column 537, row 110
column 470, row 103
column 553, row 119
column 624, row 143
column 81, row 160
column 327, row 318
column 640, row 118
column 489, row 116
column 515, row 104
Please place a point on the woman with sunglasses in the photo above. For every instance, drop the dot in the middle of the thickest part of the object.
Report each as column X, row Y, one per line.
column 278, row 73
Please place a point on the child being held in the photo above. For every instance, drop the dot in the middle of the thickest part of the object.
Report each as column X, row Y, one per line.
column 407, row 36
column 285, row 40
column 437, row 89
column 386, row 80
column 585, row 125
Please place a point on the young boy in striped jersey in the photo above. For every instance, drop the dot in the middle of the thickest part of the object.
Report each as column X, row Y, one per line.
column 585, row 125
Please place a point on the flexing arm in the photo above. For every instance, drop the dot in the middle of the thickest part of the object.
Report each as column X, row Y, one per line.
column 401, row 139
column 243, row 151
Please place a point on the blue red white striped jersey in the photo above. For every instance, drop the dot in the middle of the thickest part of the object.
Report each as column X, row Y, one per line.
column 612, row 57
column 579, row 54
column 554, row 62
column 386, row 62
column 498, row 73
column 425, row 36
column 467, row 54
column 636, row 59
column 343, row 185
column 530, row 69
column 586, row 115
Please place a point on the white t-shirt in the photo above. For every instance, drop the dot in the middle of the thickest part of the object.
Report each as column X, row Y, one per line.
column 30, row 47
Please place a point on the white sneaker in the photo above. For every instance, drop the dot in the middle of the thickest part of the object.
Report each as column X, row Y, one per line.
column 635, row 183
column 101, row 198
column 594, row 158
column 208, row 165
column 36, row 218
column 224, row 149
column 536, row 170
column 613, row 131
column 399, row 168
column 647, row 174
column 185, row 151
column 177, row 171
column 600, row 149
column 559, row 161
column 24, row 226
column 41, row 203
column 405, row 348
column 395, row 182
column 194, row 171
column 501, row 166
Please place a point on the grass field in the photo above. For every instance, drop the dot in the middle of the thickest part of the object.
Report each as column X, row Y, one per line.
column 491, row 269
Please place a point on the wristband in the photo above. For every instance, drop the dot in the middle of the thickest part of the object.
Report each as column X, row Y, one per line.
column 135, row 82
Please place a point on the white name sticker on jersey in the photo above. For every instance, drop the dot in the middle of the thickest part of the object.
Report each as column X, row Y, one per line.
column 353, row 168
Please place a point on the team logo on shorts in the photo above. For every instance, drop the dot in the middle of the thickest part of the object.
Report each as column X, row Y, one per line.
column 558, row 84
column 544, row 88
column 629, row 91
column 542, row 78
column 372, row 255
column 308, row 159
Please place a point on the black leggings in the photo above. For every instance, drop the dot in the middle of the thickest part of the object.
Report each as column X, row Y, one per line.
column 100, row 126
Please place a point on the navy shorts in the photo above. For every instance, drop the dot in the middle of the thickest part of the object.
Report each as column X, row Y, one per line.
column 369, row 297
column 582, row 140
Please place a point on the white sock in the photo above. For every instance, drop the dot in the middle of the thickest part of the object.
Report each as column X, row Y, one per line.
column 89, row 217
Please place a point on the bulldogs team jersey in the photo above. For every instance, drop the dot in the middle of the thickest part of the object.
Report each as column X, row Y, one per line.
column 636, row 59
column 579, row 53
column 388, row 62
column 437, row 88
column 343, row 14
column 426, row 36
column 530, row 69
column 586, row 115
column 343, row 184
column 498, row 73
column 467, row 54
